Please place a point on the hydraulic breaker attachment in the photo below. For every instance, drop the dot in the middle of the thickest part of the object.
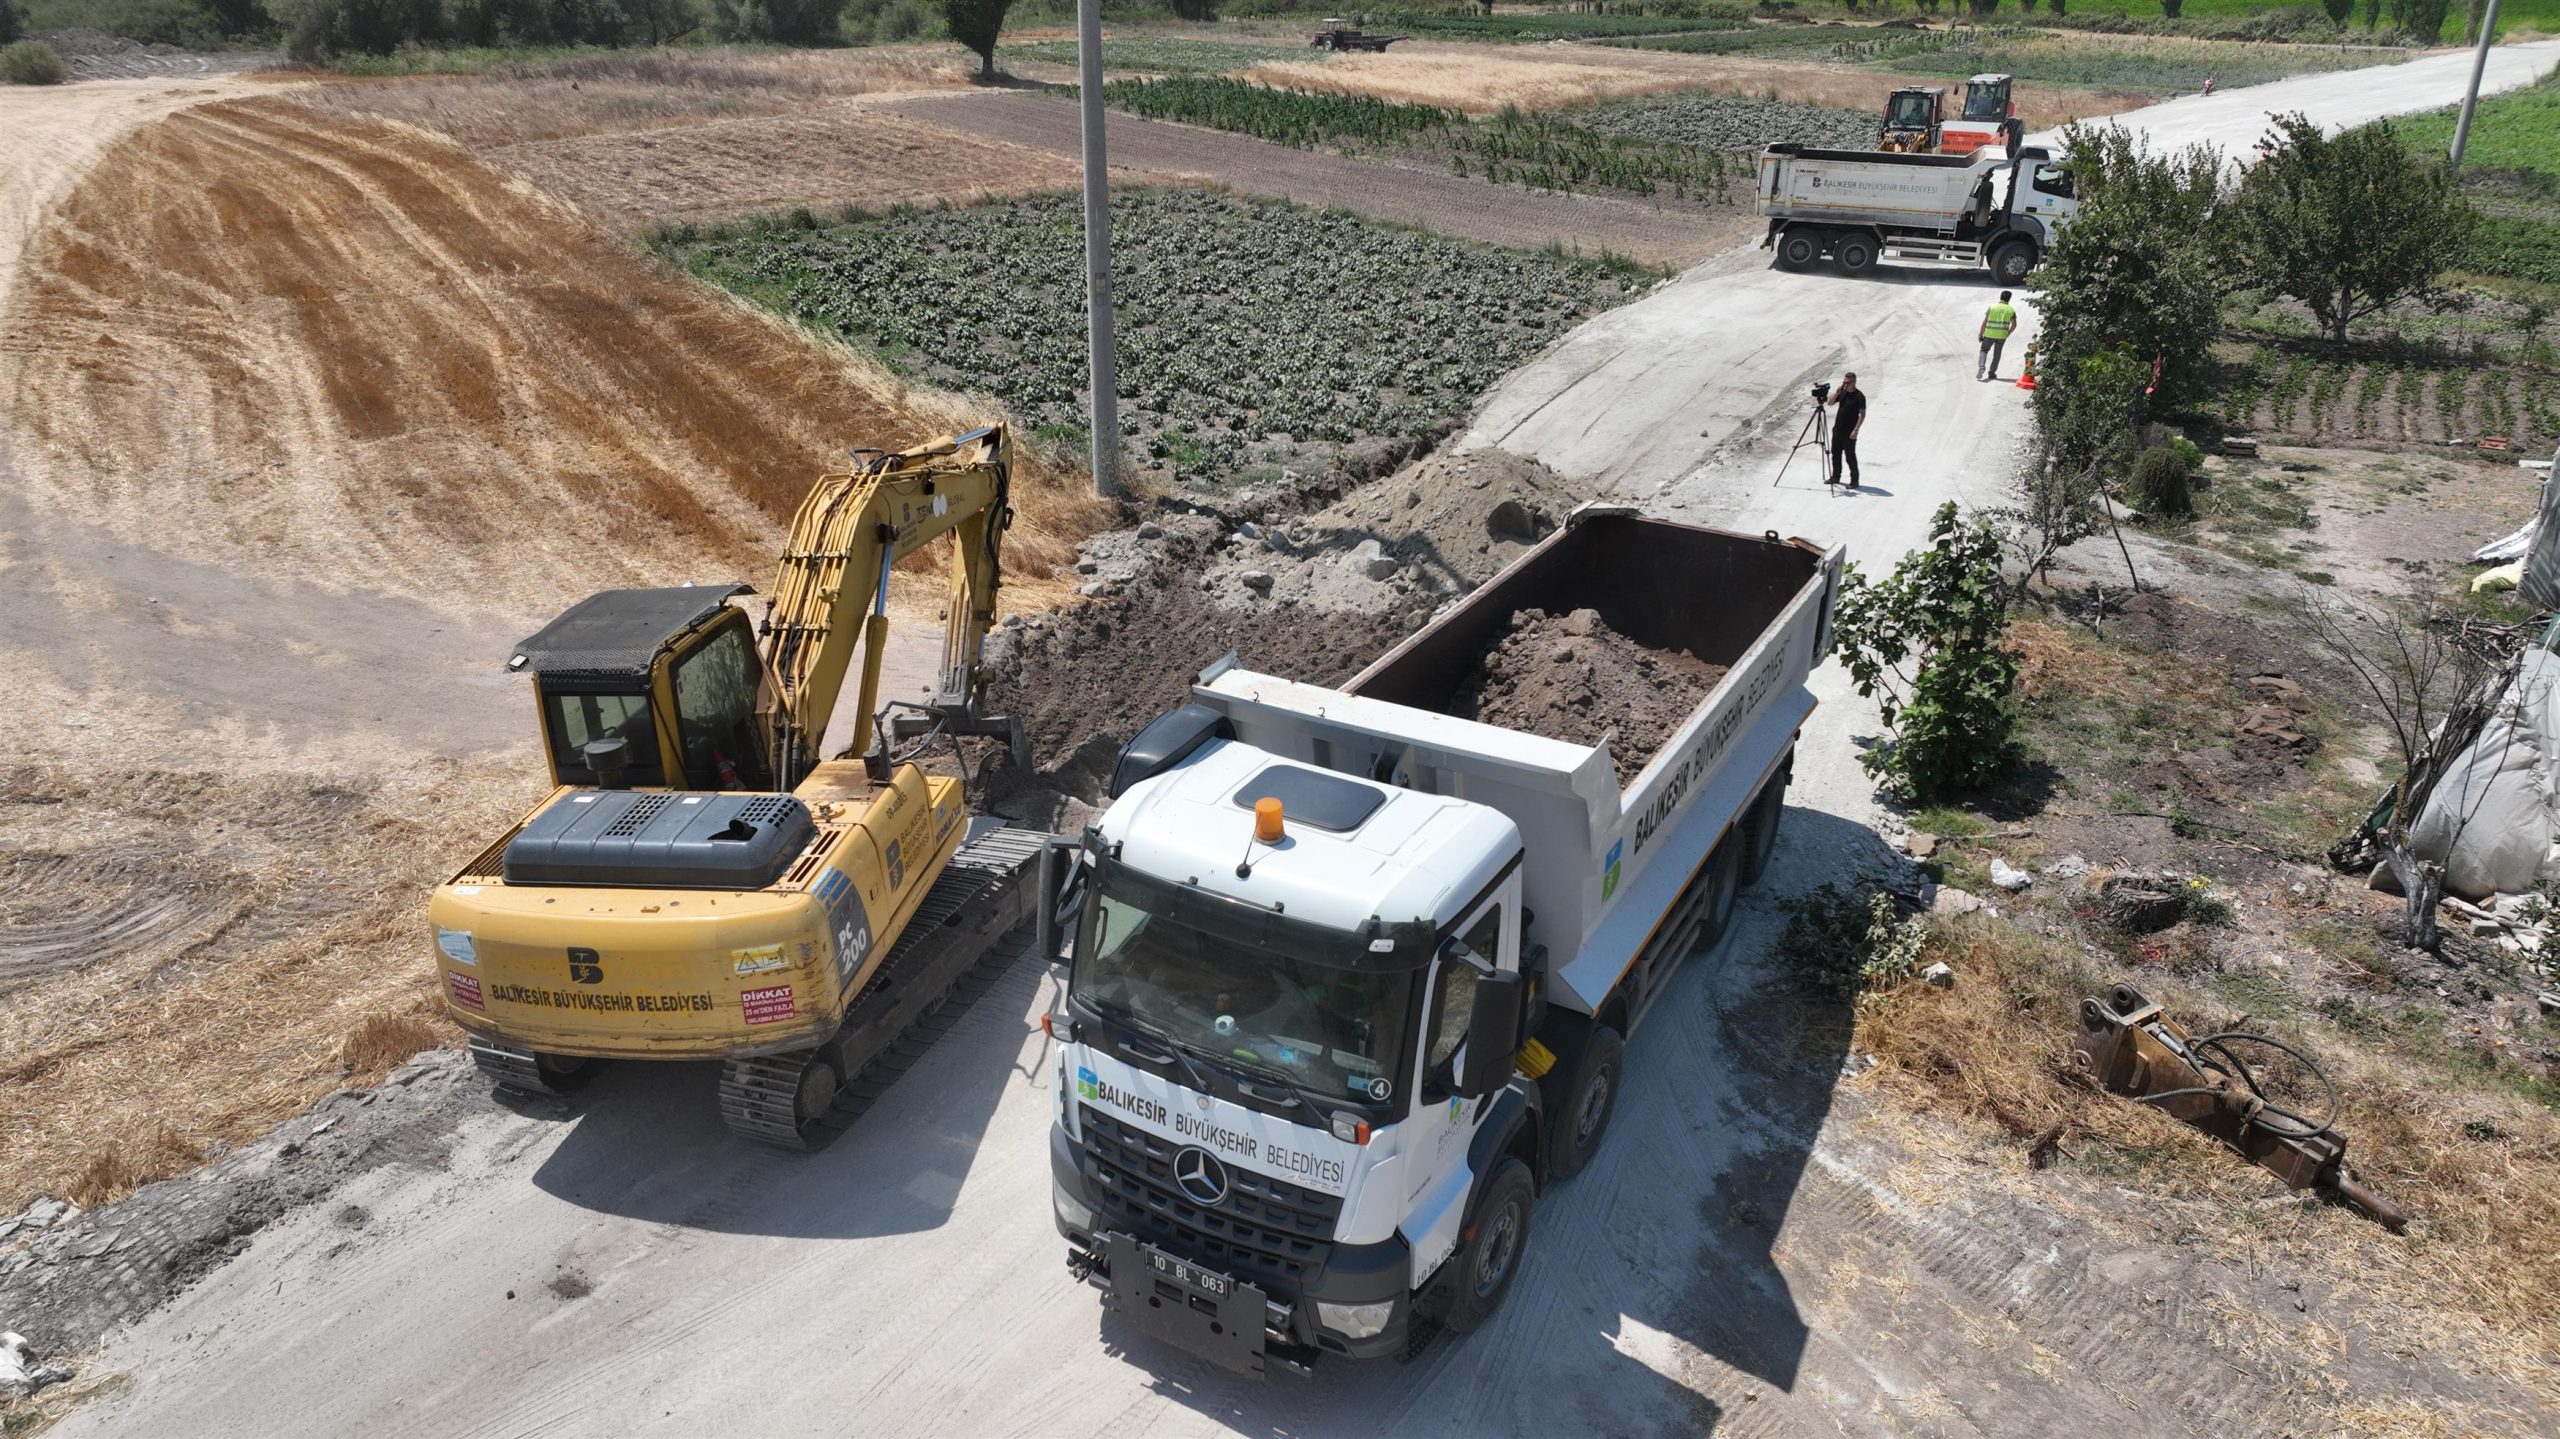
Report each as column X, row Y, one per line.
column 2130, row 1048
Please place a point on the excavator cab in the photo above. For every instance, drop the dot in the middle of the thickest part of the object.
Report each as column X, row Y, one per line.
column 1986, row 97
column 650, row 689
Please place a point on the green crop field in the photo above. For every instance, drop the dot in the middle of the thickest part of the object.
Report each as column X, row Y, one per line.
column 2513, row 15
column 1161, row 55
column 1552, row 24
column 2161, row 63
column 1536, row 150
column 2516, row 131
column 1728, row 122
column 1250, row 331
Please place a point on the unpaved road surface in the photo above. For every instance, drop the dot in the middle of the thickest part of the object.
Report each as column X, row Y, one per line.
column 1470, row 209
column 1742, row 1259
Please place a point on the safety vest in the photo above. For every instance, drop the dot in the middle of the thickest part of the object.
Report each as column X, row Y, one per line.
column 1999, row 321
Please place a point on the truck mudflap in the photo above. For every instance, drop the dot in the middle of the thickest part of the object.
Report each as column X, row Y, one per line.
column 1199, row 1311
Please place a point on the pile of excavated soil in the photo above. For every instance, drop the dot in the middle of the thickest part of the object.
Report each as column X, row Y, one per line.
column 1571, row 677
column 1438, row 528
column 1087, row 678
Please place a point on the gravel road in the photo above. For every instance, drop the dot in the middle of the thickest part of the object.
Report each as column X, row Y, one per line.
column 626, row 1268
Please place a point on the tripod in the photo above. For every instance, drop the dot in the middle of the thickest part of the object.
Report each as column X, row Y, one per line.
column 1814, row 433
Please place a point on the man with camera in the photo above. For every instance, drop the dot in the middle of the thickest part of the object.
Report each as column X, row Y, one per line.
column 1848, row 414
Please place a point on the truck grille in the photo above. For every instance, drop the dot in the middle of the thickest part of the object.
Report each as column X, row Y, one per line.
column 1264, row 1229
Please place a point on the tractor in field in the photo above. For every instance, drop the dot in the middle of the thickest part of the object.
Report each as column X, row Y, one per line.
column 1912, row 117
column 1340, row 34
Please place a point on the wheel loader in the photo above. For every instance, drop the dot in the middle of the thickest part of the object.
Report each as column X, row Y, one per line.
column 700, row 883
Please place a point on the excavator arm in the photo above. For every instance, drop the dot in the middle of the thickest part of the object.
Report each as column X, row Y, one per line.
column 831, row 593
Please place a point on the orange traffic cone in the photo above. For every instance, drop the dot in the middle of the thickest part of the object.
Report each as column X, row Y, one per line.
column 2027, row 376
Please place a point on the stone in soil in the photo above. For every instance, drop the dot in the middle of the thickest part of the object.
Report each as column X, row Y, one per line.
column 1570, row 677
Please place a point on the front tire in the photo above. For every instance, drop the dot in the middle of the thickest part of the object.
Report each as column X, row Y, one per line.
column 1497, row 1240
column 1585, row 1101
column 2011, row 263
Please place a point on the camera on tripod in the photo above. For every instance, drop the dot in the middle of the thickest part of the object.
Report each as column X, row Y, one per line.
column 1822, row 392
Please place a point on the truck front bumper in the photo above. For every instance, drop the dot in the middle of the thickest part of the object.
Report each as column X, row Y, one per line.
column 1221, row 1328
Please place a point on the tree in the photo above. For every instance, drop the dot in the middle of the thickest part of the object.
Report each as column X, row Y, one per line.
column 2437, row 681
column 2372, row 14
column 780, row 22
column 2140, row 274
column 2338, row 11
column 2088, row 429
column 2347, row 224
column 976, row 24
column 1195, row 9
column 1924, row 643
column 2422, row 18
column 2170, row 8
column 12, row 22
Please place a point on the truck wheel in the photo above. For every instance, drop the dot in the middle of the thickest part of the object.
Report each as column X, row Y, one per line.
column 1497, row 1238
column 1580, row 1108
column 2011, row 262
column 1760, row 829
column 1799, row 249
column 1854, row 254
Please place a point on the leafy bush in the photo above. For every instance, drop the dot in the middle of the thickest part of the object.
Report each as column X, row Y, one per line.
column 30, row 62
column 2517, row 249
column 1857, row 941
column 2162, row 483
column 778, row 22
column 1924, row 643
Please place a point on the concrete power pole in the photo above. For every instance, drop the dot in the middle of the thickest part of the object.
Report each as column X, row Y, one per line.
column 2471, row 97
column 1104, row 368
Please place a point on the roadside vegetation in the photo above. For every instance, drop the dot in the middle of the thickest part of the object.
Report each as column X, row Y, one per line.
column 1254, row 336
column 30, row 62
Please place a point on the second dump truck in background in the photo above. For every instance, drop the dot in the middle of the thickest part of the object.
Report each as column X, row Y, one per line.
column 1352, row 976
column 1988, row 210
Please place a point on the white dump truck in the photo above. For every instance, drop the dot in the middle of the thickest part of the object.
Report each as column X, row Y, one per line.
column 1351, row 977
column 1993, row 209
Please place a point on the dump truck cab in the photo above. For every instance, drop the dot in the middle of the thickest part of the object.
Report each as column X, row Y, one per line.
column 671, row 674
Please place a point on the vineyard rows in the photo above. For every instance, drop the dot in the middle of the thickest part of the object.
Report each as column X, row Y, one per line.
column 1514, row 147
column 2332, row 400
column 1250, row 332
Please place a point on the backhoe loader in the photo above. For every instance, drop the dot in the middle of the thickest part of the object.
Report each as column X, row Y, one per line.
column 700, row 884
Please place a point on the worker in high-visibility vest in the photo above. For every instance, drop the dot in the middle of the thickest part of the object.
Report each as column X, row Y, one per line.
column 1998, row 323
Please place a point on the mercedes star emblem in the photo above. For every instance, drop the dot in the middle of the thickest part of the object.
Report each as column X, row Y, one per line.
column 1200, row 1175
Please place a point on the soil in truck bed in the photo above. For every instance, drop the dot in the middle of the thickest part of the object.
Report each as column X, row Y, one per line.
column 1571, row 677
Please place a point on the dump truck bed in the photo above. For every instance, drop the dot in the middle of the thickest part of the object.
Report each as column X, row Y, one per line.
column 1871, row 187
column 1603, row 862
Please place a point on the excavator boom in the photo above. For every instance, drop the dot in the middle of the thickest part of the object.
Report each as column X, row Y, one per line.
column 831, row 592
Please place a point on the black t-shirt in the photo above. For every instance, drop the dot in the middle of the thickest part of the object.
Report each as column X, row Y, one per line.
column 1847, row 409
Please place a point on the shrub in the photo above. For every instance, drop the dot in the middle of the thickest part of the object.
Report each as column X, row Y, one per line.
column 1855, row 941
column 30, row 62
column 778, row 22
column 2159, row 483
column 1924, row 643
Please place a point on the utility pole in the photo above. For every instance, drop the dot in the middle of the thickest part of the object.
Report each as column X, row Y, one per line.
column 2471, row 97
column 1104, row 368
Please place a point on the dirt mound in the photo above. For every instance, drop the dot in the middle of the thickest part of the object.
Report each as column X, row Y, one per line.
column 1571, row 677
column 355, row 352
column 1086, row 679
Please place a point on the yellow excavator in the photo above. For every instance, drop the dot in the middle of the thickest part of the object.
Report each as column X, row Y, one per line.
column 700, row 884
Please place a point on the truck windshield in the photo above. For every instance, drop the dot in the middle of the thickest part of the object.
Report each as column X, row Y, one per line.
column 1230, row 981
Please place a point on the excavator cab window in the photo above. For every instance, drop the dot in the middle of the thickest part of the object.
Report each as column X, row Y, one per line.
column 1910, row 112
column 1986, row 101
column 575, row 718
column 716, row 713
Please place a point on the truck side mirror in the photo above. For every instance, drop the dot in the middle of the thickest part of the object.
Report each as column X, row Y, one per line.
column 1493, row 1035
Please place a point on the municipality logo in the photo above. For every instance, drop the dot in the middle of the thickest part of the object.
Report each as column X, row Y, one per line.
column 1087, row 1085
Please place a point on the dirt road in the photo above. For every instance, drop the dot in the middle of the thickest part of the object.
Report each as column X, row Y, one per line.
column 1453, row 205
column 1742, row 1259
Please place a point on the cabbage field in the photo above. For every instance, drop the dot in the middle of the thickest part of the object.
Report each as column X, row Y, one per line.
column 1706, row 120
column 1253, row 334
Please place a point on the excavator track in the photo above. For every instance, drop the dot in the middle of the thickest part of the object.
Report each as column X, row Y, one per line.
column 508, row 1067
column 969, row 930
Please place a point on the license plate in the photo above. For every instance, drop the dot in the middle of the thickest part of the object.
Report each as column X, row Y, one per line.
column 1215, row 1285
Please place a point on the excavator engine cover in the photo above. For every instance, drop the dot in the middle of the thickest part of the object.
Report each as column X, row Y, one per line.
column 660, row 839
